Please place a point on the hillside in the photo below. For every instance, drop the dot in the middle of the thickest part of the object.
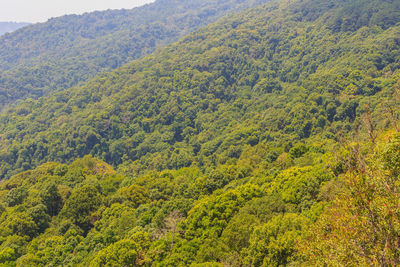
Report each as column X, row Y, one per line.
column 340, row 211
column 64, row 51
column 268, row 138
column 262, row 77
column 6, row 27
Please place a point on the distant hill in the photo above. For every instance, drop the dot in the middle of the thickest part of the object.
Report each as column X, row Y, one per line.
column 11, row 26
column 62, row 52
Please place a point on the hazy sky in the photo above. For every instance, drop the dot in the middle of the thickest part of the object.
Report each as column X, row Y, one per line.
column 41, row 10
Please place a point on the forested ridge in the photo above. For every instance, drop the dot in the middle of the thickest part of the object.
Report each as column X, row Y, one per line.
column 6, row 27
column 268, row 138
column 64, row 51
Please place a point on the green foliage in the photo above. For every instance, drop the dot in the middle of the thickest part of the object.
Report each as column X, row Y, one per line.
column 52, row 199
column 298, row 151
column 134, row 194
column 114, row 222
column 300, row 186
column 391, row 156
column 65, row 51
column 79, row 206
column 16, row 243
column 227, row 146
column 237, row 233
column 29, row 260
column 126, row 252
column 274, row 243
column 122, row 253
column 15, row 196
column 209, row 217
column 40, row 217
column 21, row 224
column 7, row 255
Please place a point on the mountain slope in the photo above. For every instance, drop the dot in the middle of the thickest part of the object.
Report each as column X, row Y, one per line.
column 6, row 27
column 272, row 123
column 260, row 77
column 62, row 52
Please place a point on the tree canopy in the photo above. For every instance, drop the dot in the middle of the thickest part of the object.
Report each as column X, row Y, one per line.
column 268, row 138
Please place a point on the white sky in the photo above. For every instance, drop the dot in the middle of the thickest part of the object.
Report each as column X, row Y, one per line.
column 41, row 10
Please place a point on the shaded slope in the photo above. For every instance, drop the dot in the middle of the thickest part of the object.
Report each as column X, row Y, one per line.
column 62, row 52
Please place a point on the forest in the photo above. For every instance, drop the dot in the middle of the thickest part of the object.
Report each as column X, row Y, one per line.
column 65, row 51
column 270, row 137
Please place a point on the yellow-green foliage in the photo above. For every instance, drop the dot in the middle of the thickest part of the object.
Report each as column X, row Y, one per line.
column 361, row 226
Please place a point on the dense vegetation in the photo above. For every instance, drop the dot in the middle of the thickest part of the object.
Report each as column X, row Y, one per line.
column 6, row 27
column 64, row 51
column 325, row 209
column 260, row 80
column 88, row 214
column 269, row 138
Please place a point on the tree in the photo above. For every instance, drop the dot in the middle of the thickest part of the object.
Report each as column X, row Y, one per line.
column 121, row 253
column 360, row 228
column 15, row 196
column 171, row 223
column 82, row 202
column 273, row 244
column 52, row 199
